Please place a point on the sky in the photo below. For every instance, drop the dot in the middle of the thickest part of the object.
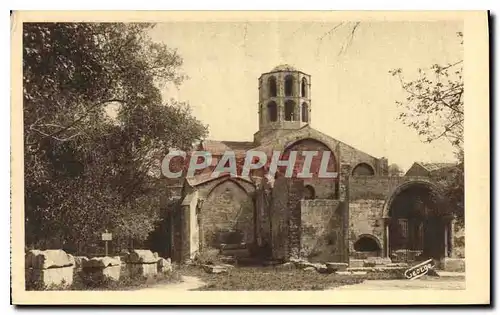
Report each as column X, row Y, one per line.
column 352, row 93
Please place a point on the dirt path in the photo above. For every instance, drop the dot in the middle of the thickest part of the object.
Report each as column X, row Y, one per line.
column 188, row 283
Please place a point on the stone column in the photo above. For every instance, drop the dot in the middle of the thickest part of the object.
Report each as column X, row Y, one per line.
column 446, row 249
column 449, row 222
column 387, row 222
column 190, row 242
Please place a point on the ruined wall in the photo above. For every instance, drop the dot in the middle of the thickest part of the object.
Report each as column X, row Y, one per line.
column 322, row 230
column 364, row 219
column 377, row 187
column 227, row 210
column 285, row 218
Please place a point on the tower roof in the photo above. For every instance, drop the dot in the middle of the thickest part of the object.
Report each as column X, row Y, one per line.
column 284, row 67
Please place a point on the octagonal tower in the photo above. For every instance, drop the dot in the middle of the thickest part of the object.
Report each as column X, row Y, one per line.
column 284, row 100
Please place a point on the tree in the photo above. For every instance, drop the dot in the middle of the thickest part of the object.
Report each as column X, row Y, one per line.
column 395, row 170
column 95, row 127
column 434, row 107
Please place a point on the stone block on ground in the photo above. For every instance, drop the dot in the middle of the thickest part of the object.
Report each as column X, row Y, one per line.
column 311, row 268
column 359, row 273
column 112, row 273
column 48, row 268
column 361, row 269
column 141, row 256
column 51, row 258
column 101, row 262
column 376, row 261
column 215, row 269
column 164, row 265
column 335, row 267
column 343, row 273
column 356, row 263
column 321, row 268
column 44, row 278
column 142, row 270
column 101, row 268
column 301, row 263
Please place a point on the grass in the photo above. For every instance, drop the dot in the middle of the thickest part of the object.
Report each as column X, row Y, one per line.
column 269, row 279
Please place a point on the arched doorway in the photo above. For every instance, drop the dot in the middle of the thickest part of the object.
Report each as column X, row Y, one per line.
column 417, row 228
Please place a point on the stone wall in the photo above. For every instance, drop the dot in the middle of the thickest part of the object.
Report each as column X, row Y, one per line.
column 322, row 236
column 279, row 218
column 190, row 236
column 377, row 187
column 364, row 220
column 228, row 207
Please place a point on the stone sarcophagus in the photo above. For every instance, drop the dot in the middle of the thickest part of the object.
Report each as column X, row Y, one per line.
column 142, row 262
column 47, row 268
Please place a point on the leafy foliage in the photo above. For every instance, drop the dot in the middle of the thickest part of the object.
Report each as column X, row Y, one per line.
column 95, row 129
column 395, row 170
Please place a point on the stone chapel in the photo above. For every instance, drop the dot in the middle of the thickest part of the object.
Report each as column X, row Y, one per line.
column 362, row 213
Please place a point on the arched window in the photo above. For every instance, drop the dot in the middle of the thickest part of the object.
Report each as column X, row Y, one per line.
column 289, row 110
column 309, row 192
column 305, row 112
column 363, row 169
column 303, row 88
column 272, row 111
column 272, row 87
column 288, row 85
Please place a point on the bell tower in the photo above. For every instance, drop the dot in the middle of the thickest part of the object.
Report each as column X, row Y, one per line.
column 284, row 100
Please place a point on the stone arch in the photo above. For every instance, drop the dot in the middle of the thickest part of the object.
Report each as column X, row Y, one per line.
column 305, row 112
column 367, row 243
column 227, row 215
column 272, row 111
column 417, row 225
column 289, row 85
column 289, row 110
column 325, row 188
column 303, row 88
column 363, row 169
column 396, row 191
column 302, row 141
column 273, row 88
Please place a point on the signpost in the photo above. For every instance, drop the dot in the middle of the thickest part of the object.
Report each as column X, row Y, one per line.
column 106, row 237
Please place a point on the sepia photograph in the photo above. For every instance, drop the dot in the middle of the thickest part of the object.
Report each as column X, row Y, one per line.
column 178, row 154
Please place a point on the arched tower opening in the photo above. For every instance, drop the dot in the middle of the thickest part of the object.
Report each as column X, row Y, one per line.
column 303, row 88
column 273, row 88
column 289, row 110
